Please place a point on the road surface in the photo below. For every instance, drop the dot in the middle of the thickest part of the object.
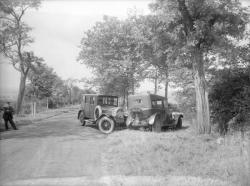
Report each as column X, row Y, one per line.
column 58, row 151
column 55, row 150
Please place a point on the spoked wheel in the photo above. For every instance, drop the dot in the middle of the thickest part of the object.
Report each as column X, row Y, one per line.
column 106, row 125
column 156, row 127
column 82, row 118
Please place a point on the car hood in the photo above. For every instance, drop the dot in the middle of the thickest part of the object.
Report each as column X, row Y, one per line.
column 108, row 109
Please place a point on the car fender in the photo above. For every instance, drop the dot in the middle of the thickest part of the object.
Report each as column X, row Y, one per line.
column 129, row 120
column 107, row 115
column 151, row 119
column 79, row 112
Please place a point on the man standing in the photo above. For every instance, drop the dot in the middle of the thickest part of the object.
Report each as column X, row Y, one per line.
column 8, row 116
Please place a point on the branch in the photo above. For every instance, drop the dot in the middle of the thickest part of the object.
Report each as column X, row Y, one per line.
column 7, row 18
column 188, row 22
column 27, row 70
column 15, row 67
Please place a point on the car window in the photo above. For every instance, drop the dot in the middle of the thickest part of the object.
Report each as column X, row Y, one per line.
column 86, row 99
column 110, row 101
column 157, row 103
column 138, row 100
column 92, row 100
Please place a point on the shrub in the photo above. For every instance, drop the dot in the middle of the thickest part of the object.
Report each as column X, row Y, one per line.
column 230, row 98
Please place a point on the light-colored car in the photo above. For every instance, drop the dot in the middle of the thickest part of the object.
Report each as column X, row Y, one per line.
column 148, row 111
column 101, row 110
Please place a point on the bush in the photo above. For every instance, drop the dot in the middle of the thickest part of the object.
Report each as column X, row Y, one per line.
column 230, row 98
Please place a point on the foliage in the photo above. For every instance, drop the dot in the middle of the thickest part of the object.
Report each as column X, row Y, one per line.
column 201, row 27
column 182, row 79
column 46, row 85
column 112, row 48
column 41, row 83
column 65, row 92
column 14, row 32
column 159, row 49
column 14, row 38
column 230, row 97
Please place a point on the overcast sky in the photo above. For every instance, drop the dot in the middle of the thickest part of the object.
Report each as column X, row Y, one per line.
column 58, row 26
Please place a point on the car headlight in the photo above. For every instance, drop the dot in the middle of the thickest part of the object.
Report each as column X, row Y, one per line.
column 117, row 112
column 113, row 113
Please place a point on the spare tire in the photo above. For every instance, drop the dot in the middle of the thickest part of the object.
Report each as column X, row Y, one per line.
column 97, row 112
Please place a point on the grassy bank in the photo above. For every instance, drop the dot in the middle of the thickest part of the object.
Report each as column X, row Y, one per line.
column 176, row 153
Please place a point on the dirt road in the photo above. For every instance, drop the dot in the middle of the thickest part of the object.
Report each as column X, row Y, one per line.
column 58, row 147
column 58, row 151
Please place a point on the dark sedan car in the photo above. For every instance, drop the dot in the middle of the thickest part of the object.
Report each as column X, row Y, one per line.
column 101, row 110
column 148, row 111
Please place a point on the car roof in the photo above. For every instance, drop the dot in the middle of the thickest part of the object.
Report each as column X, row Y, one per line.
column 152, row 96
column 98, row 95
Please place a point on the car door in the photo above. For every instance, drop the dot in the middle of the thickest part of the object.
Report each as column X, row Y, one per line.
column 92, row 104
column 158, row 107
column 86, row 107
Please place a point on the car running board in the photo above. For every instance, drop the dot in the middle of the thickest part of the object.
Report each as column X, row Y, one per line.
column 90, row 121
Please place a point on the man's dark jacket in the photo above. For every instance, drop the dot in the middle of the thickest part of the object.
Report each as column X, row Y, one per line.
column 8, row 112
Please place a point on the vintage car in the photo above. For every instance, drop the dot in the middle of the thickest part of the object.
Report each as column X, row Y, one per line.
column 101, row 110
column 148, row 111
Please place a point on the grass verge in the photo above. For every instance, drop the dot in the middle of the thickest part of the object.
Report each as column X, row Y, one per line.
column 177, row 153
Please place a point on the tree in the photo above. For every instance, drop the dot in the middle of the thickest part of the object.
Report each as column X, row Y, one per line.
column 111, row 49
column 159, row 49
column 70, row 84
column 14, row 37
column 60, row 95
column 230, row 98
column 202, row 26
column 42, row 80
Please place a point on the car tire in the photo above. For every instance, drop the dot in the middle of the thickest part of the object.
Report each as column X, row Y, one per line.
column 106, row 125
column 82, row 118
column 179, row 123
column 156, row 127
column 97, row 112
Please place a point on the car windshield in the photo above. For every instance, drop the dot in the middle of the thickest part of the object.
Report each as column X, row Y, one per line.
column 157, row 103
column 106, row 100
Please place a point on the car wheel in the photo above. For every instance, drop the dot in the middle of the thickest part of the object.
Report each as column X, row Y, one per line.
column 97, row 112
column 106, row 125
column 156, row 127
column 82, row 118
column 179, row 123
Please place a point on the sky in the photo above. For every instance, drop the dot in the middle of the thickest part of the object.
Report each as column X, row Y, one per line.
column 58, row 26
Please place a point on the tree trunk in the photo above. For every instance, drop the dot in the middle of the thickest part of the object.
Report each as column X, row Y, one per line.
column 21, row 92
column 34, row 108
column 202, row 104
column 156, row 82
column 124, row 98
column 166, row 91
column 133, row 85
column 47, row 104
